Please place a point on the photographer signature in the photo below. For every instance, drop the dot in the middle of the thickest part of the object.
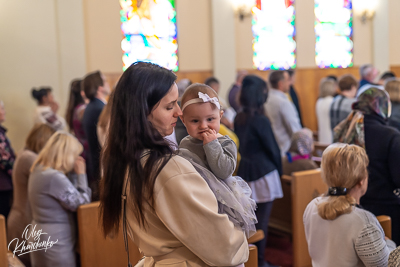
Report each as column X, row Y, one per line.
column 31, row 241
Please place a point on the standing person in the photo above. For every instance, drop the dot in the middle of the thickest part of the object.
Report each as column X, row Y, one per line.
column 281, row 111
column 261, row 164
column 292, row 92
column 7, row 159
column 21, row 215
column 214, row 156
column 234, row 92
column 338, row 230
column 368, row 74
column 393, row 89
column 341, row 104
column 74, row 115
column 327, row 89
column 54, row 198
column 46, row 111
column 165, row 201
column 367, row 127
column 96, row 89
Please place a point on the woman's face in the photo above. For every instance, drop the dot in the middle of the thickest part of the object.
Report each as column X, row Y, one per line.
column 2, row 113
column 165, row 114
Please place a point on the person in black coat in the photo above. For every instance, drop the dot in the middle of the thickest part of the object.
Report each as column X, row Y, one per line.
column 382, row 144
column 261, row 164
column 293, row 94
column 96, row 90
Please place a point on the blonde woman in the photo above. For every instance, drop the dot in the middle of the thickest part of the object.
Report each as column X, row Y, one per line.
column 20, row 215
column 338, row 231
column 392, row 86
column 54, row 197
column 327, row 89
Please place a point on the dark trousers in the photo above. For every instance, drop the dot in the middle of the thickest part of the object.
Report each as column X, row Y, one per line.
column 5, row 202
column 263, row 212
column 390, row 210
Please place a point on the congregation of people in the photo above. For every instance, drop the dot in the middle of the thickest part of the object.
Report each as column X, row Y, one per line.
column 176, row 147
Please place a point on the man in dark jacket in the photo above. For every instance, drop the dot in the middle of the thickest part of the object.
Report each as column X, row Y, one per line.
column 96, row 90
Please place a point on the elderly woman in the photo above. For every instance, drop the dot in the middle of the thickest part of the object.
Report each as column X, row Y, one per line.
column 7, row 159
column 168, row 209
column 20, row 215
column 298, row 158
column 338, row 231
column 54, row 197
column 327, row 89
column 367, row 127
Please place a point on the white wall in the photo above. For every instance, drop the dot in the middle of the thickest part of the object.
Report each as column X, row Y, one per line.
column 41, row 44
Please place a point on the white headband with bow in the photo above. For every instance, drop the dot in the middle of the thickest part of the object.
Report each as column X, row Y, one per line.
column 203, row 98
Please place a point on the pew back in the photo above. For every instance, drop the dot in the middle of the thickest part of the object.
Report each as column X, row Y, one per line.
column 95, row 250
column 3, row 242
column 306, row 186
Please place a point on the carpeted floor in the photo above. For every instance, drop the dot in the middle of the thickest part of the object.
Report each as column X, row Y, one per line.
column 279, row 250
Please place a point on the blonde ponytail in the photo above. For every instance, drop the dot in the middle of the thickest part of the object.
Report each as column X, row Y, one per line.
column 342, row 166
column 336, row 206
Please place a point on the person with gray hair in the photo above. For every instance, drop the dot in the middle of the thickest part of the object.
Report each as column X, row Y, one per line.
column 327, row 90
column 368, row 73
column 281, row 111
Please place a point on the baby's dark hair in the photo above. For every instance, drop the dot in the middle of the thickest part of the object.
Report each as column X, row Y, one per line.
column 193, row 90
column 39, row 93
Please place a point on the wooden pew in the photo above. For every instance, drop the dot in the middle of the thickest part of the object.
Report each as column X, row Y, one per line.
column 319, row 149
column 306, row 186
column 386, row 223
column 6, row 257
column 253, row 258
column 281, row 214
column 94, row 249
column 287, row 213
column 3, row 242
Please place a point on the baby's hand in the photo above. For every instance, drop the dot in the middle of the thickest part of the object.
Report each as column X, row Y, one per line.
column 209, row 136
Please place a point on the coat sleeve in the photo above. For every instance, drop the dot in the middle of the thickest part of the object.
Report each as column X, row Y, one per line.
column 267, row 139
column 221, row 157
column 290, row 118
column 393, row 158
column 371, row 246
column 189, row 209
column 70, row 197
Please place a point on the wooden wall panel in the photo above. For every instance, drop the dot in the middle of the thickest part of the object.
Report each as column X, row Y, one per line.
column 194, row 76
column 396, row 70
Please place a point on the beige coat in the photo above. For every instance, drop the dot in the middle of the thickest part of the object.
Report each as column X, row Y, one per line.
column 185, row 228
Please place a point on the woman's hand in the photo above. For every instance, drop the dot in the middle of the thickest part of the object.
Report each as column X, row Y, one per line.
column 80, row 166
column 208, row 136
column 54, row 106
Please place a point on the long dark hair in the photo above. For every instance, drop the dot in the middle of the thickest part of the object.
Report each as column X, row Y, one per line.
column 138, row 91
column 253, row 95
column 75, row 98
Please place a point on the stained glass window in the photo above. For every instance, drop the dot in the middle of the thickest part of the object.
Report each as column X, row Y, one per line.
column 150, row 35
column 333, row 32
column 274, row 32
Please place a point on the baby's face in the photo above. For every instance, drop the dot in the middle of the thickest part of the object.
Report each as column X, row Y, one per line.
column 200, row 117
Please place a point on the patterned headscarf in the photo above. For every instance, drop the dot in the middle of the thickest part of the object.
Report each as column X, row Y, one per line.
column 302, row 142
column 371, row 101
